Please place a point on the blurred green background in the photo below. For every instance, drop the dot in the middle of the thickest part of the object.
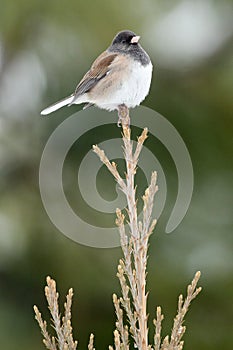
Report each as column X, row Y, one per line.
column 45, row 48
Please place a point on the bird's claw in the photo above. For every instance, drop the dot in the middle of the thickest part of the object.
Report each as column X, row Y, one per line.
column 123, row 116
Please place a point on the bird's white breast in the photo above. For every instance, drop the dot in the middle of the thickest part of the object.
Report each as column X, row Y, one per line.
column 129, row 88
column 138, row 84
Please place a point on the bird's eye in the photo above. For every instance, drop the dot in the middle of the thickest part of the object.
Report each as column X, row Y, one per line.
column 123, row 41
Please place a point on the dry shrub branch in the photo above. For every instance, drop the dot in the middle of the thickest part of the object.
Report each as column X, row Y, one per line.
column 132, row 272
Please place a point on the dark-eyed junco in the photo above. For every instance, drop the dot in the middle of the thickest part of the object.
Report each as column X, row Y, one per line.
column 120, row 77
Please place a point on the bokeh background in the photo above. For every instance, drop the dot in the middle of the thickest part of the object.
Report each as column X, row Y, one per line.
column 45, row 47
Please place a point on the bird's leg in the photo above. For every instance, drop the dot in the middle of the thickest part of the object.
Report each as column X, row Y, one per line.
column 123, row 116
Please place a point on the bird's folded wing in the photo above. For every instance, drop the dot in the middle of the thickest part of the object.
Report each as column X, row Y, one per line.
column 98, row 71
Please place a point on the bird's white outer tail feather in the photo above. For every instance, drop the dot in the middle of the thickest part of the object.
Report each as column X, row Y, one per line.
column 57, row 105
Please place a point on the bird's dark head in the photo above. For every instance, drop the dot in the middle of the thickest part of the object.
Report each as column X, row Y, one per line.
column 125, row 40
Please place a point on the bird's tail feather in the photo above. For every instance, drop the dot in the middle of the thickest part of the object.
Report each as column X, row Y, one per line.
column 64, row 102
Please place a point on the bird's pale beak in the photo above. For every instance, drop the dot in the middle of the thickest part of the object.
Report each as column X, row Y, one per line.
column 135, row 39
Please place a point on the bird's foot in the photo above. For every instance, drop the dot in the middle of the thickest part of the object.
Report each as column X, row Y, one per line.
column 123, row 116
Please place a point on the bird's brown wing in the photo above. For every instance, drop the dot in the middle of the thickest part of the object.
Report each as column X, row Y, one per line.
column 98, row 71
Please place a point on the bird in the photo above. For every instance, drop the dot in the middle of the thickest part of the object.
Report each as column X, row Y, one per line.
column 118, row 79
